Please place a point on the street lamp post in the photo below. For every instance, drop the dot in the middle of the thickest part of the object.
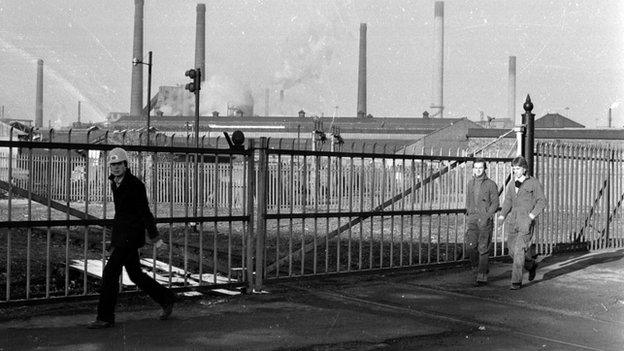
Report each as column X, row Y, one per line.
column 135, row 62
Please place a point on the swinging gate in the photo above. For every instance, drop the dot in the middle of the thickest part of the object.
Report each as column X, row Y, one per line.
column 235, row 218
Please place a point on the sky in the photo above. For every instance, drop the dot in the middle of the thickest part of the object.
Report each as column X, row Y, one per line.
column 570, row 55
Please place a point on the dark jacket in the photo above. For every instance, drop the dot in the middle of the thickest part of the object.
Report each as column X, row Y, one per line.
column 132, row 213
column 487, row 203
column 529, row 199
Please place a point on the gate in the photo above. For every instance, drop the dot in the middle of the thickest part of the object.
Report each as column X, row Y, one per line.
column 56, row 206
column 236, row 217
column 327, row 212
column 585, row 190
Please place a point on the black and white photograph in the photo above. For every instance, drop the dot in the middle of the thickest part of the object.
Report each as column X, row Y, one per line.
column 311, row 175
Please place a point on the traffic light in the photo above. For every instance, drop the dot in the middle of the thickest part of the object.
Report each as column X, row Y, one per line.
column 195, row 85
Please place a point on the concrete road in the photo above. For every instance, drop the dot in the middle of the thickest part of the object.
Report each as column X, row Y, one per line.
column 575, row 303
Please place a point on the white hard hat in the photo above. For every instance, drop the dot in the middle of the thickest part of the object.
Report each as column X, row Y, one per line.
column 117, row 155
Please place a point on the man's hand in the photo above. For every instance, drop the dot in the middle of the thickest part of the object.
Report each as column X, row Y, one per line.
column 501, row 218
column 531, row 216
column 160, row 245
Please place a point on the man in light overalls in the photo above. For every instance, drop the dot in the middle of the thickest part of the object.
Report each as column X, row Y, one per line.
column 524, row 201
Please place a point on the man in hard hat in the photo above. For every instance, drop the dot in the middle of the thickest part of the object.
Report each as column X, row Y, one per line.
column 524, row 201
column 132, row 218
column 481, row 204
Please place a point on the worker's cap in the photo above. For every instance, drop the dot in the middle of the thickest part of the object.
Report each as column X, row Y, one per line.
column 117, row 155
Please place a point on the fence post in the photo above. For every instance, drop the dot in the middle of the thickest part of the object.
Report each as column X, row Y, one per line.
column 261, row 212
column 251, row 190
column 529, row 119
column 608, row 197
column 519, row 130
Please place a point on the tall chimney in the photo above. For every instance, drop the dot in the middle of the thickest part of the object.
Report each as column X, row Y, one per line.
column 438, row 53
column 200, row 40
column 361, row 101
column 39, row 99
column 136, row 88
column 266, row 102
column 511, row 91
column 78, row 112
column 609, row 118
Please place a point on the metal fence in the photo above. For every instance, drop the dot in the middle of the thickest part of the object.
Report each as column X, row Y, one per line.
column 56, row 204
column 584, row 186
column 331, row 212
column 239, row 217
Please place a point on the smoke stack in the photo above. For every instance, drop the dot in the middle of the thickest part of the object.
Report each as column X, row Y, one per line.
column 282, row 96
column 39, row 99
column 78, row 112
column 266, row 102
column 200, row 40
column 136, row 88
column 361, row 101
column 609, row 119
column 438, row 49
column 511, row 90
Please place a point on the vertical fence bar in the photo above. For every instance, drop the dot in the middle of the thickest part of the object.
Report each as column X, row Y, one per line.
column 29, row 216
column 339, row 186
column 362, row 185
column 279, row 184
column 383, row 187
column 262, row 210
column 216, row 199
column 304, row 206
column 49, row 216
column 293, row 190
column 9, row 218
column 350, row 209
column 372, row 206
column 250, row 197
column 327, row 198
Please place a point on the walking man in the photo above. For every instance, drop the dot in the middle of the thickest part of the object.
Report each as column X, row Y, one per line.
column 481, row 204
column 524, row 201
column 132, row 218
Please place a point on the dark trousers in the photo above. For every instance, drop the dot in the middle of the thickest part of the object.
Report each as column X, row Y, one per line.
column 129, row 258
column 479, row 240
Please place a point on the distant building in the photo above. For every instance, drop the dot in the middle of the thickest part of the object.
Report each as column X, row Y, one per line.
column 448, row 140
column 555, row 120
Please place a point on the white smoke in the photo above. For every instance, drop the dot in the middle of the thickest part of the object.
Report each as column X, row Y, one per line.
column 305, row 55
column 220, row 94
column 225, row 95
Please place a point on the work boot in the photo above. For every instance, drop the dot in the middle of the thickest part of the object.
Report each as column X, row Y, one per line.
column 167, row 310
column 515, row 286
column 532, row 272
column 99, row 324
column 481, row 279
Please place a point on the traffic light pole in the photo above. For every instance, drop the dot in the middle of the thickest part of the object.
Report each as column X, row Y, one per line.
column 194, row 87
column 197, row 89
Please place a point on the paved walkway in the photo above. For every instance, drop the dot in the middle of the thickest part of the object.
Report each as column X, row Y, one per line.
column 575, row 303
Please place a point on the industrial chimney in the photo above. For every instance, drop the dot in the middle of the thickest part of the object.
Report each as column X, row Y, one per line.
column 361, row 101
column 438, row 50
column 609, row 118
column 266, row 102
column 511, row 91
column 39, row 98
column 200, row 40
column 136, row 88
